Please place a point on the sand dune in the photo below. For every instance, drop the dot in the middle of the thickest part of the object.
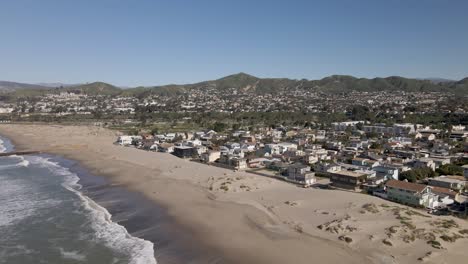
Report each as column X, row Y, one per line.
column 254, row 219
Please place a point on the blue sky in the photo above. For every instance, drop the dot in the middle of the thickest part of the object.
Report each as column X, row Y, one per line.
column 150, row 42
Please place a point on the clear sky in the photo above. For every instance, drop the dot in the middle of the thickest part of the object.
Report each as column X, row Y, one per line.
column 150, row 42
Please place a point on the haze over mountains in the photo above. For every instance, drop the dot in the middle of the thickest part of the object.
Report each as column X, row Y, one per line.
column 248, row 83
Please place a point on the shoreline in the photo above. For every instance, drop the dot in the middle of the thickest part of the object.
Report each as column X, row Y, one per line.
column 250, row 226
column 141, row 217
column 255, row 226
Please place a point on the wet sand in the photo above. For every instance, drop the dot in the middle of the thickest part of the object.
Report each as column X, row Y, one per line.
column 142, row 218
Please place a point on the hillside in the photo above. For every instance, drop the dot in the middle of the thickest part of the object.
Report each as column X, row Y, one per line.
column 95, row 88
column 331, row 84
column 12, row 86
column 251, row 84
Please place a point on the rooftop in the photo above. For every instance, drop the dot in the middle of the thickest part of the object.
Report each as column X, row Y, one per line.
column 349, row 173
column 447, row 179
column 415, row 187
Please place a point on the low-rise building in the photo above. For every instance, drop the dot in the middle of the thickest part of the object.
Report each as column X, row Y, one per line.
column 348, row 179
column 386, row 172
column 409, row 193
column 125, row 140
column 166, row 147
column 300, row 173
column 447, row 182
column 183, row 152
column 458, row 135
column 210, row 156
column 424, row 162
column 234, row 162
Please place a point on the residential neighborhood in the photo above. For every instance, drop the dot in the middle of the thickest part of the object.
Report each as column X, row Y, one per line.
column 406, row 163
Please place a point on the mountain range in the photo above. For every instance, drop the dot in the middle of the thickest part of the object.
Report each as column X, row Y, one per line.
column 251, row 84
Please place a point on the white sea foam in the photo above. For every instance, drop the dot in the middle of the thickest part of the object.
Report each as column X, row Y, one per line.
column 74, row 255
column 111, row 233
column 2, row 147
column 23, row 163
column 19, row 201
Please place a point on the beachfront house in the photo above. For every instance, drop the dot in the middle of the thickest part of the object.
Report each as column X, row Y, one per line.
column 233, row 162
column 409, row 193
column 166, row 147
column 210, row 156
column 300, row 173
column 125, row 140
column 348, row 179
column 238, row 163
column 184, row 152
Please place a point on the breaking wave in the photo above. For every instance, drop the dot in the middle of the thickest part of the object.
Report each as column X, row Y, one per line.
column 2, row 147
column 111, row 233
column 19, row 201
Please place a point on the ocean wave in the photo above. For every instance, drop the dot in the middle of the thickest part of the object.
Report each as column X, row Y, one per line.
column 70, row 179
column 116, row 236
column 23, row 163
column 110, row 233
column 74, row 255
column 2, row 147
column 20, row 201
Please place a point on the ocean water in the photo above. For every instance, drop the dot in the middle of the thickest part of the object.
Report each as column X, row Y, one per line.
column 46, row 218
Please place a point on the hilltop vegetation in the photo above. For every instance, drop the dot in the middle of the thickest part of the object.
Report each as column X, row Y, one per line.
column 95, row 88
column 251, row 84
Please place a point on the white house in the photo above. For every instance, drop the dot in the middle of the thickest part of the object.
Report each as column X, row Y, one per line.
column 210, row 156
column 125, row 140
column 411, row 194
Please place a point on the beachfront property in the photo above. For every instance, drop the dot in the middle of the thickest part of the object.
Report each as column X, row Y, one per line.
column 184, row 152
column 348, row 157
column 408, row 193
column 127, row 140
column 166, row 147
column 348, row 179
column 233, row 162
column 300, row 173
column 210, row 156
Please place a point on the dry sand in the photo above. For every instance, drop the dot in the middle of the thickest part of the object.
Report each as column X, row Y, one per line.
column 255, row 219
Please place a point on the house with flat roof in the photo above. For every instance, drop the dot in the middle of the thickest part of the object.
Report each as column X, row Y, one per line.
column 184, row 151
column 447, row 182
column 387, row 172
column 458, row 135
column 210, row 156
column 300, row 173
column 347, row 179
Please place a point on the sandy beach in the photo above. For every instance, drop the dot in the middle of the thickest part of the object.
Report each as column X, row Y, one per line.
column 256, row 219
